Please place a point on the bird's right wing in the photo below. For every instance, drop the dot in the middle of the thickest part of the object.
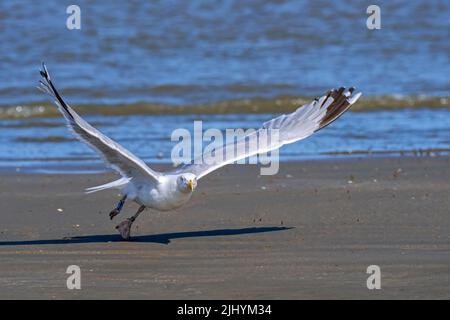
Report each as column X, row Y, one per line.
column 116, row 156
column 292, row 127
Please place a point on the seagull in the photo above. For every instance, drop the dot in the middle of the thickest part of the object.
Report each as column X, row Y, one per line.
column 165, row 191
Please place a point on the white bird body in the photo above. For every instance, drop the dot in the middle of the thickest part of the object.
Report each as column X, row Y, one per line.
column 163, row 195
column 166, row 191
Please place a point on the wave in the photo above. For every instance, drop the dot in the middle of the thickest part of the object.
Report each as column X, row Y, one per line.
column 281, row 104
column 430, row 152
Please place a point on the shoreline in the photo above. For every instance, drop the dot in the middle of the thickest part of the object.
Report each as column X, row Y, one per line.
column 252, row 105
column 100, row 168
column 309, row 232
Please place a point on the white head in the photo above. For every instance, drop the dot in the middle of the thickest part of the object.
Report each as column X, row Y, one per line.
column 187, row 182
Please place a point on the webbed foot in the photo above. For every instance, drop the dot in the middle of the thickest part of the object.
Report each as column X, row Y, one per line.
column 125, row 228
column 114, row 213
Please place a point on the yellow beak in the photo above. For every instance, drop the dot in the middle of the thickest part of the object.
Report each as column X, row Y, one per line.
column 190, row 185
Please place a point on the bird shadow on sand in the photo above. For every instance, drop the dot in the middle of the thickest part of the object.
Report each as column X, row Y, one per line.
column 163, row 238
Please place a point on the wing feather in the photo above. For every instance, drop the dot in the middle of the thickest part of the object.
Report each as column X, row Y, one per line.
column 293, row 127
column 116, row 156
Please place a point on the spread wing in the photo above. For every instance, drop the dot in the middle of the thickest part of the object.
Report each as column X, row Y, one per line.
column 290, row 128
column 115, row 156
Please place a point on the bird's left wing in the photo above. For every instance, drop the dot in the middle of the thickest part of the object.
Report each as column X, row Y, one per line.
column 292, row 127
column 116, row 156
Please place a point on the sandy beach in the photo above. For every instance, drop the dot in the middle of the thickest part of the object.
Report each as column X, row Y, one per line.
column 309, row 232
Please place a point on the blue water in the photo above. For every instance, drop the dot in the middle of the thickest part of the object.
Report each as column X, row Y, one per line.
column 195, row 51
column 184, row 53
column 400, row 132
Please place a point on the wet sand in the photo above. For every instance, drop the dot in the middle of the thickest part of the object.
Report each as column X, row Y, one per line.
column 309, row 232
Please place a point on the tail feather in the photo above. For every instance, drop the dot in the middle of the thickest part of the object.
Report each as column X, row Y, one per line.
column 114, row 184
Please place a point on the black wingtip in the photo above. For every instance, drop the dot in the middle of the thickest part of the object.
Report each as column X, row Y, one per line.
column 51, row 88
column 342, row 101
column 44, row 71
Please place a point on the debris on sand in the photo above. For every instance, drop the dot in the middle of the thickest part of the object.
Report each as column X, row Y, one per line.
column 397, row 173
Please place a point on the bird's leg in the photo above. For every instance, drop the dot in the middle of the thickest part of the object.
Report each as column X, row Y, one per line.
column 125, row 226
column 141, row 208
column 119, row 207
